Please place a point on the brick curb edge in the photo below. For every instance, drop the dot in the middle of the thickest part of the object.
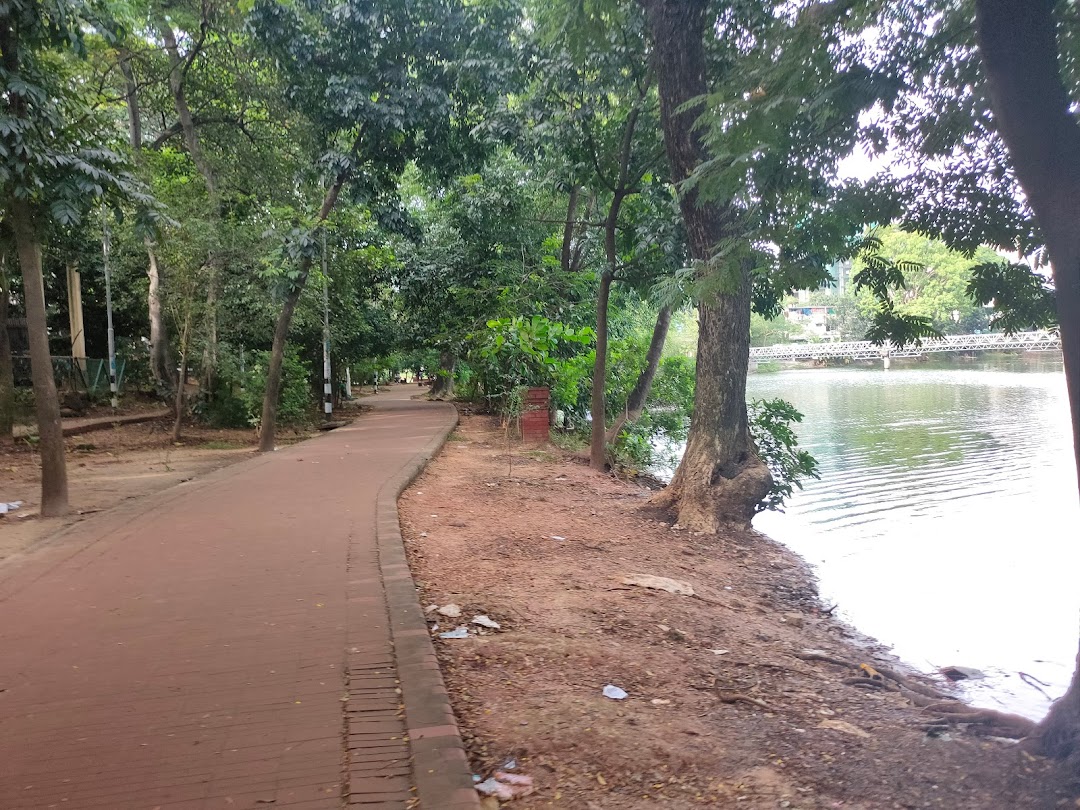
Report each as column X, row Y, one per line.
column 440, row 769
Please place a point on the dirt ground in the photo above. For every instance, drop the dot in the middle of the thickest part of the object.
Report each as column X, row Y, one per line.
column 106, row 467
column 721, row 710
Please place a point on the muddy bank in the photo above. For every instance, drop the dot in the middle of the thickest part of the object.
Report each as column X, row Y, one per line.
column 721, row 710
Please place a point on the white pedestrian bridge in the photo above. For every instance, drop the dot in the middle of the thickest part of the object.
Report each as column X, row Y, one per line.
column 865, row 350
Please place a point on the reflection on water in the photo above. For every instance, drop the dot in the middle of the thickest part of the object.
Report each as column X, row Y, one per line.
column 946, row 519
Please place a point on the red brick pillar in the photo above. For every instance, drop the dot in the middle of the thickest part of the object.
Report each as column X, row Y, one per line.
column 536, row 417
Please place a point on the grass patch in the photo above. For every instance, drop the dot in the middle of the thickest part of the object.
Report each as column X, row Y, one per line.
column 456, row 437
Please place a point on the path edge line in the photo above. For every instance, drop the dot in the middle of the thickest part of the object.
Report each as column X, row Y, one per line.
column 440, row 766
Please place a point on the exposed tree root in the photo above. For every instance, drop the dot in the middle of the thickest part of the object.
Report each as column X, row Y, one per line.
column 948, row 710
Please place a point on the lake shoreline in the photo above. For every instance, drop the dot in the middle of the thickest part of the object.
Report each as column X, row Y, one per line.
column 723, row 705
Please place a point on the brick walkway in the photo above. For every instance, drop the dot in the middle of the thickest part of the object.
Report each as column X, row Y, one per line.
column 227, row 644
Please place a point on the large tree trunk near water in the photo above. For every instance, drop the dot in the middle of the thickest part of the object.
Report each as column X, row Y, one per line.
column 7, row 368
column 268, row 423
column 1018, row 43
column 54, row 487
column 720, row 478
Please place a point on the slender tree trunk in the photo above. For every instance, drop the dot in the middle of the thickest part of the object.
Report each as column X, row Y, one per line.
column 268, row 422
column 210, row 348
column 160, row 366
column 54, row 487
column 131, row 94
column 639, row 395
column 7, row 369
column 597, row 445
column 1018, row 43
column 720, row 479
column 178, row 68
column 181, row 380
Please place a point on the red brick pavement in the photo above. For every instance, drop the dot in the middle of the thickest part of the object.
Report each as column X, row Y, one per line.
column 227, row 643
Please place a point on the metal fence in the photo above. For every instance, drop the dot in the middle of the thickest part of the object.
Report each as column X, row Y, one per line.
column 87, row 374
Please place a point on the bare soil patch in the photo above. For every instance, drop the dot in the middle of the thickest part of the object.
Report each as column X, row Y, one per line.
column 106, row 467
column 721, row 710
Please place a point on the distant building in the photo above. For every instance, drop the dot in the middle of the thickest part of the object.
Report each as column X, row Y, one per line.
column 812, row 319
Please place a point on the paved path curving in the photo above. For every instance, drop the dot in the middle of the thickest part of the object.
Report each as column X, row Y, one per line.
column 248, row 640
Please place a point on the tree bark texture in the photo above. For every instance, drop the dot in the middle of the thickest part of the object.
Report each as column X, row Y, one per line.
column 1018, row 44
column 639, row 394
column 160, row 366
column 720, row 478
column 268, row 423
column 7, row 368
column 54, row 487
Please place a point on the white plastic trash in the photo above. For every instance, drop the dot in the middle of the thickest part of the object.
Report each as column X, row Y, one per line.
column 614, row 692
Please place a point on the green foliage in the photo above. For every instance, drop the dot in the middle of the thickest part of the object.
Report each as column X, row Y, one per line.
column 880, row 276
column 294, row 406
column 665, row 420
column 778, row 446
column 54, row 141
column 1021, row 298
column 515, row 352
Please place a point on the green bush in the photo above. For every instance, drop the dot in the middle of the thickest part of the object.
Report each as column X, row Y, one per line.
column 294, row 405
column 778, row 446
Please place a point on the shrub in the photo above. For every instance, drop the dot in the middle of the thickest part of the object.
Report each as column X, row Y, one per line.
column 295, row 402
column 770, row 425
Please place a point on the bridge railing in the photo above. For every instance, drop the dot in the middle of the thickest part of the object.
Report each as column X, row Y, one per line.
column 865, row 350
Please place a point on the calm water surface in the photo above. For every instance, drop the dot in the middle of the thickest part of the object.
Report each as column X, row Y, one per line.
column 946, row 522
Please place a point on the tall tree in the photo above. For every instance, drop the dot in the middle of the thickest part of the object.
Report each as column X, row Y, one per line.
column 720, row 479
column 597, row 111
column 1034, row 114
column 52, row 163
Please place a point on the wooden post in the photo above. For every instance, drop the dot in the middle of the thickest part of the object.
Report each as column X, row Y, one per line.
column 75, row 317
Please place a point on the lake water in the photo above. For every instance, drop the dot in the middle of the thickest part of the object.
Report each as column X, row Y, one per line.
column 946, row 522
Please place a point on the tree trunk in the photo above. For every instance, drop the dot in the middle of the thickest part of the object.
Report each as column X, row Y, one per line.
column 54, row 487
column 720, row 478
column 7, row 369
column 210, row 348
column 181, row 380
column 443, row 387
column 160, row 366
column 281, row 329
column 177, row 73
column 639, row 395
column 131, row 95
column 1018, row 43
column 597, row 445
